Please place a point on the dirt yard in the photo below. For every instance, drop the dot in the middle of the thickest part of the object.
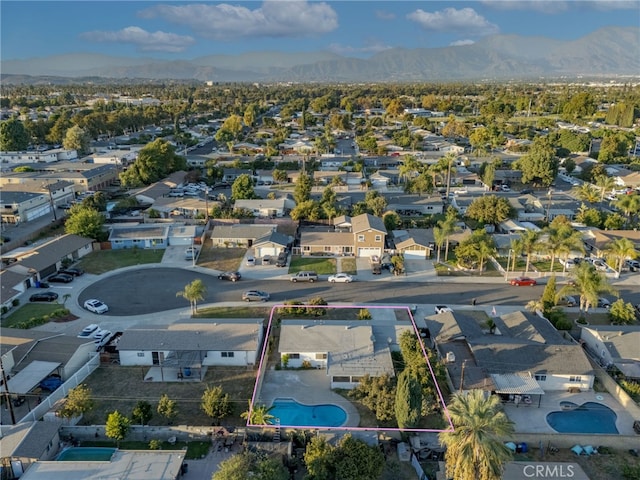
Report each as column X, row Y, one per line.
column 119, row 388
column 223, row 259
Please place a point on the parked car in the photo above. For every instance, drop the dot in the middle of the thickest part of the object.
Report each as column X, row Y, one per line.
column 306, row 276
column 505, row 188
column 60, row 278
column 443, row 309
column 74, row 272
column 255, row 296
column 523, row 281
column 232, row 276
column 266, row 260
column 341, row 278
column 569, row 301
column 102, row 338
column 190, row 253
column 526, row 191
column 376, row 269
column 282, row 260
column 44, row 297
column 88, row 331
column 604, row 303
column 634, row 265
column 96, row 306
column 251, row 261
column 568, row 263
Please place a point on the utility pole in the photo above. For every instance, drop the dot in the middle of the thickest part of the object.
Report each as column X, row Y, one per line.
column 7, row 394
column 462, row 375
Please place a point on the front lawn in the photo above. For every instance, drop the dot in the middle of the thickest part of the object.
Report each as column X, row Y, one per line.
column 29, row 311
column 107, row 260
column 222, row 259
column 233, row 312
column 348, row 265
column 320, row 265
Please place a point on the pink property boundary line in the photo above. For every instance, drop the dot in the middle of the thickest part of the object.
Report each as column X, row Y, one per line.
column 307, row 427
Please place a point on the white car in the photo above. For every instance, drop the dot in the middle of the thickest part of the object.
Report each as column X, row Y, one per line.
column 443, row 309
column 88, row 331
column 341, row 278
column 102, row 339
column 96, row 306
column 251, row 261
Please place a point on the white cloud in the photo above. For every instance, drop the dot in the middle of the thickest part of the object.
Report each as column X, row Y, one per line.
column 373, row 47
column 461, row 43
column 465, row 20
column 613, row 4
column 384, row 15
column 145, row 41
column 543, row 6
column 275, row 18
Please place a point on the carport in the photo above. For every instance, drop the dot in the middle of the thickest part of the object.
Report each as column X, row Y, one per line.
column 516, row 386
column 30, row 377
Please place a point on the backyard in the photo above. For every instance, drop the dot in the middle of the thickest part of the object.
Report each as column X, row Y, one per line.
column 120, row 388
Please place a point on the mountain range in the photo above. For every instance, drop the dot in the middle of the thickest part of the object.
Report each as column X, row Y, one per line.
column 608, row 52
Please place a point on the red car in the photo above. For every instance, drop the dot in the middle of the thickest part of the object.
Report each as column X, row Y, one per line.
column 520, row 281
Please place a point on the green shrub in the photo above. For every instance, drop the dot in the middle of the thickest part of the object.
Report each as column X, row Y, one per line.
column 632, row 388
column 364, row 314
column 15, row 302
column 563, row 324
column 306, row 365
column 155, row 444
column 4, row 309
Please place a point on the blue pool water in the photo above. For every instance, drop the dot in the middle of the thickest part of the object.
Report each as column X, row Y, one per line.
column 296, row 414
column 589, row 417
column 86, row 454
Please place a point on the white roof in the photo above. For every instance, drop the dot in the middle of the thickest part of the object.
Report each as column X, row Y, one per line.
column 514, row 383
column 29, row 377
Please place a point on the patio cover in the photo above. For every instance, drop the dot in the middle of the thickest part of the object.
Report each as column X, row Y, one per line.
column 630, row 369
column 514, row 383
column 30, row 377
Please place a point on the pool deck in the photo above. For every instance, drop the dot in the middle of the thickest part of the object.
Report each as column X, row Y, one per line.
column 310, row 387
column 531, row 419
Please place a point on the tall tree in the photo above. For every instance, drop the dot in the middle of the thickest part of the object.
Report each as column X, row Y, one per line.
column 13, row 136
column 76, row 139
column 529, row 244
column 193, row 292
column 86, row 222
column 408, row 400
column 215, row 403
column 629, row 204
column 318, row 457
column 142, row 412
column 355, row 460
column 302, row 191
column 539, row 165
column 155, row 161
column 560, row 239
column 117, row 427
column 448, row 226
column 621, row 249
column 589, row 284
column 242, row 188
column 475, row 448
column 490, row 209
column 167, row 408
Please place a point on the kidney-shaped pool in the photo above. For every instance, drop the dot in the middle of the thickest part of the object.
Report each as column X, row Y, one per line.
column 294, row 414
column 590, row 417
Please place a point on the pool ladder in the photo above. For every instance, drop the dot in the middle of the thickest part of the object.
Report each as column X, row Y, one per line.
column 276, row 435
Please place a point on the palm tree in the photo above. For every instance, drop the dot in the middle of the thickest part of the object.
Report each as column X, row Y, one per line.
column 621, row 249
column 604, row 183
column 586, row 192
column 475, row 448
column 449, row 227
column 439, row 237
column 629, row 204
column 259, row 414
column 561, row 240
column 193, row 292
column 485, row 246
column 589, row 284
column 529, row 240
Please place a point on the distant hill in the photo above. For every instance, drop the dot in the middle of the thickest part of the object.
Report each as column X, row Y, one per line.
column 607, row 52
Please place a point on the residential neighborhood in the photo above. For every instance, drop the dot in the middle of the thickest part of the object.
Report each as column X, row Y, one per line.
column 341, row 232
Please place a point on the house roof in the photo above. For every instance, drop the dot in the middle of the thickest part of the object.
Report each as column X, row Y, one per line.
column 168, row 204
column 352, row 347
column 326, row 238
column 276, row 238
column 416, row 236
column 366, row 221
column 144, row 231
column 621, row 340
column 163, row 187
column 28, row 439
column 277, row 204
column 53, row 251
column 239, row 230
column 215, row 334
column 9, row 279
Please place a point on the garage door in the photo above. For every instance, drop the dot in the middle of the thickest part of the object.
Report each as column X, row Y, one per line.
column 264, row 251
column 415, row 254
column 368, row 251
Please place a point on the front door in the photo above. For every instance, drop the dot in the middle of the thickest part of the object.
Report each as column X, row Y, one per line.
column 158, row 357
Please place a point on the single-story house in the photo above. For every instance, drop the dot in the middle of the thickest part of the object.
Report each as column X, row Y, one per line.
column 271, row 244
column 521, row 354
column 187, row 207
column 162, row 188
column 614, row 345
column 410, row 205
column 230, row 174
column 417, row 243
column 345, row 350
column 239, row 234
column 25, row 443
column 326, row 241
column 278, row 207
column 146, row 235
column 193, row 345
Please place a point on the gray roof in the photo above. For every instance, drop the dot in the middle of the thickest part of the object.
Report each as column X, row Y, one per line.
column 352, row 347
column 17, row 197
column 8, row 280
column 622, row 341
column 367, row 221
column 241, row 230
column 54, row 251
column 29, row 439
column 120, row 232
column 326, row 238
column 214, row 335
column 273, row 237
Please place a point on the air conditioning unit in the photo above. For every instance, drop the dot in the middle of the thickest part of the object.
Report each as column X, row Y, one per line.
column 451, row 357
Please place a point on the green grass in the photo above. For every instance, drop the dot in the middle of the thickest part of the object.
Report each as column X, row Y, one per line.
column 320, row 265
column 195, row 450
column 349, row 266
column 233, row 312
column 108, row 260
column 29, row 310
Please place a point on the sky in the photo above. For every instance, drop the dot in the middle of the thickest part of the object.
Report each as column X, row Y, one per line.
column 184, row 29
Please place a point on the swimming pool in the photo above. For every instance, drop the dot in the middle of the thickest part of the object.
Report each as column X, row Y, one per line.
column 294, row 414
column 86, row 454
column 590, row 417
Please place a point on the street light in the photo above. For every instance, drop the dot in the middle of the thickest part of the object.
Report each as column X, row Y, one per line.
column 547, row 217
column 506, row 273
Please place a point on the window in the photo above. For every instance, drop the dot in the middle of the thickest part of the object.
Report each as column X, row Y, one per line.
column 541, row 378
column 321, row 356
column 361, row 238
column 341, row 379
column 306, row 248
column 327, row 248
column 294, row 356
column 227, row 354
column 141, row 354
column 378, row 238
column 575, row 378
